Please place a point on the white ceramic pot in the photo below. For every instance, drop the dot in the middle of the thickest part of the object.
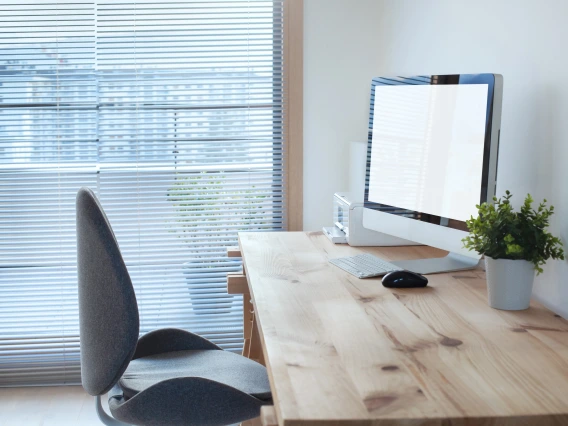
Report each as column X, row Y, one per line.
column 509, row 283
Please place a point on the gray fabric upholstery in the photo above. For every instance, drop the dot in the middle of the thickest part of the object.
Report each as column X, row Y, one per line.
column 220, row 366
column 108, row 312
column 173, row 377
column 187, row 401
column 169, row 340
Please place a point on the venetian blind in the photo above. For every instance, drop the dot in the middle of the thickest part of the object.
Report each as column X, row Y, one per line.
column 172, row 113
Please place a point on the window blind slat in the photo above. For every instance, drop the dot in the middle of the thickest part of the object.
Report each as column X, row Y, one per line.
column 173, row 112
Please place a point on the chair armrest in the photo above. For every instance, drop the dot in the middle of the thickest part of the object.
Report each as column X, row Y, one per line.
column 170, row 340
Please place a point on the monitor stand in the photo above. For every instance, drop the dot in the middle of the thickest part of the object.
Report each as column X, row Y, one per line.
column 449, row 263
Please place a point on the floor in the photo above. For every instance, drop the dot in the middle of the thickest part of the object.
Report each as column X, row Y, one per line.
column 47, row 406
column 51, row 406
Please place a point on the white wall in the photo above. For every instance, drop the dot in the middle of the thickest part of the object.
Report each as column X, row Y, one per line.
column 339, row 63
column 348, row 42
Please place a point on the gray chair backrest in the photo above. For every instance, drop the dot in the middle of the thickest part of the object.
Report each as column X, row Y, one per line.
column 108, row 312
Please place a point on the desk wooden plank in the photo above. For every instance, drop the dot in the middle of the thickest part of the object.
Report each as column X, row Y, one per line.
column 345, row 351
column 237, row 283
column 233, row 252
column 268, row 416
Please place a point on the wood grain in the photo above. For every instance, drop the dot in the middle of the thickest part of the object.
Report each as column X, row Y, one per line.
column 294, row 112
column 233, row 252
column 247, row 316
column 237, row 283
column 252, row 422
column 268, row 416
column 345, row 351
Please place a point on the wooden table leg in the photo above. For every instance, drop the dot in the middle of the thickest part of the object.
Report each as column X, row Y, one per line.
column 247, row 323
column 255, row 351
column 268, row 416
column 237, row 283
column 252, row 422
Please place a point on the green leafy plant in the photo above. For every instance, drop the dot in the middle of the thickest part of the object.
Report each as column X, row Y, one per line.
column 214, row 205
column 501, row 233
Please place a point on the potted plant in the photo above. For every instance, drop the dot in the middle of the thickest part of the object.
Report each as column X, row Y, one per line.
column 202, row 202
column 515, row 245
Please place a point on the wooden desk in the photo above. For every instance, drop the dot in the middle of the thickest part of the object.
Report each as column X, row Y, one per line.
column 345, row 351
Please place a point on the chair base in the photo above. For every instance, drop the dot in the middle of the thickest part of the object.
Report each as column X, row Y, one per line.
column 104, row 417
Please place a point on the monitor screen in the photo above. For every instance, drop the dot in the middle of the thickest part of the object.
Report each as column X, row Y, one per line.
column 427, row 146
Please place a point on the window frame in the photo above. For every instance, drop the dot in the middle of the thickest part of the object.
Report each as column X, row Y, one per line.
column 294, row 112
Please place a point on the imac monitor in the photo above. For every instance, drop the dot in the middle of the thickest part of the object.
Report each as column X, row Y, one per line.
column 431, row 158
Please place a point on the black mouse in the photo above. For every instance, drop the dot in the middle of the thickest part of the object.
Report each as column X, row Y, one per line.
column 404, row 279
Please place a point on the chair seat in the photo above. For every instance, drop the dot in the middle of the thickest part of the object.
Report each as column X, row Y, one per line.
column 221, row 366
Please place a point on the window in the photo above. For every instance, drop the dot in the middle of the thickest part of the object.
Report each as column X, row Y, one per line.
column 174, row 114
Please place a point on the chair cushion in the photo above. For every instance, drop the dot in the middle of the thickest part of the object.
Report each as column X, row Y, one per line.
column 218, row 365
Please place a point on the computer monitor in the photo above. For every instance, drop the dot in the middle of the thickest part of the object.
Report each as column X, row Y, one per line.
column 432, row 156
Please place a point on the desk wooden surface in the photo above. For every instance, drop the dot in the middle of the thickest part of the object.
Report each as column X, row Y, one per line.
column 345, row 351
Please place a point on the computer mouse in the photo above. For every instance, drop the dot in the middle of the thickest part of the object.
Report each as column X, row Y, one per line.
column 404, row 279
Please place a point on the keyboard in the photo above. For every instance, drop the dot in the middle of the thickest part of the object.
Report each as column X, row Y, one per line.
column 365, row 265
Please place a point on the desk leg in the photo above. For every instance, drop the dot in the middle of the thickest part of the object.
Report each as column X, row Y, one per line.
column 237, row 283
column 248, row 318
column 252, row 422
column 268, row 416
column 255, row 351
column 252, row 348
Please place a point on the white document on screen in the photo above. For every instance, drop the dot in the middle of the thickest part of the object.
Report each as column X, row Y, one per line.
column 427, row 148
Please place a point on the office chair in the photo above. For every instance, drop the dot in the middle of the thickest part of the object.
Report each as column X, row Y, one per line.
column 166, row 377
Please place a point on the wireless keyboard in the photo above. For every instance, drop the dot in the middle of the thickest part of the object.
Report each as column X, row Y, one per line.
column 365, row 265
